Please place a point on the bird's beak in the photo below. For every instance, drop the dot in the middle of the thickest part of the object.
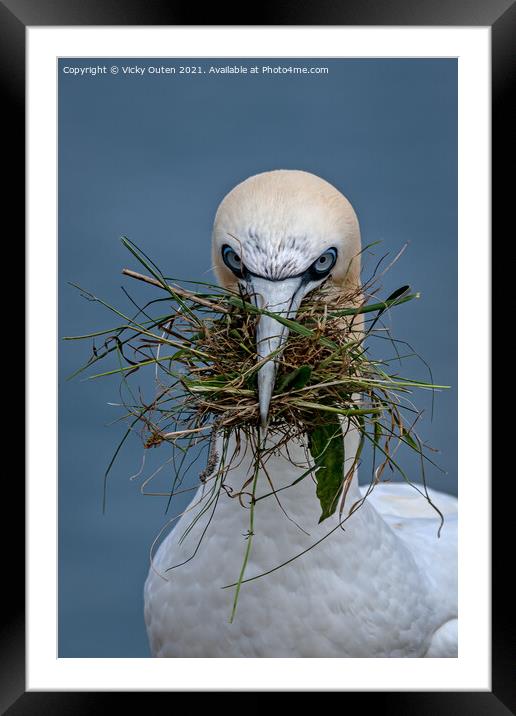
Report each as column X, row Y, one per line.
column 281, row 297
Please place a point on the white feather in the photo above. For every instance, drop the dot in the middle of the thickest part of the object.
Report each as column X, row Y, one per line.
column 380, row 587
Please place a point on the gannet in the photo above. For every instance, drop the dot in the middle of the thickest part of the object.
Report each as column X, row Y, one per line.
column 381, row 585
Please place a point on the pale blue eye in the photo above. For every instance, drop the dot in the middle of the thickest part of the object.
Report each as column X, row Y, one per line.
column 325, row 262
column 232, row 260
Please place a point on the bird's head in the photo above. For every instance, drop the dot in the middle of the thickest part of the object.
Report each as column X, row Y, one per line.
column 280, row 235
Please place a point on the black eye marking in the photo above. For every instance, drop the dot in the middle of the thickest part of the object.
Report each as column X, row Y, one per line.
column 232, row 261
column 322, row 266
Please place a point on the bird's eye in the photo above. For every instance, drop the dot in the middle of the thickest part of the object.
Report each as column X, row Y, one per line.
column 325, row 262
column 232, row 260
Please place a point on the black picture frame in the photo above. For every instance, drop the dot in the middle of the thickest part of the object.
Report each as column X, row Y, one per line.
column 500, row 16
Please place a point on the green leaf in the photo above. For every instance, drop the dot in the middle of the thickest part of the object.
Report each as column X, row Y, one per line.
column 296, row 379
column 371, row 307
column 395, row 297
column 410, row 440
column 207, row 383
column 327, row 449
column 377, row 431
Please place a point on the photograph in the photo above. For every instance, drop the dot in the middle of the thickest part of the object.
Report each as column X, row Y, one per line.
column 258, row 347
column 258, row 363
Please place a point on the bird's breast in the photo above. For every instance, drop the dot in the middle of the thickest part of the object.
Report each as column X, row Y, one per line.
column 330, row 590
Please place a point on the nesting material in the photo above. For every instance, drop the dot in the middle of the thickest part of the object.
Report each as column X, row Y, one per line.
column 201, row 345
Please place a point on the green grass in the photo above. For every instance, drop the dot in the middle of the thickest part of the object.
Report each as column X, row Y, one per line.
column 200, row 343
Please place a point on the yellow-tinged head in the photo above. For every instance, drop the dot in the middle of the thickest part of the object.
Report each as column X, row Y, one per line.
column 280, row 234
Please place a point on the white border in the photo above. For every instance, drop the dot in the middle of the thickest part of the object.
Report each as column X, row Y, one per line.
column 471, row 671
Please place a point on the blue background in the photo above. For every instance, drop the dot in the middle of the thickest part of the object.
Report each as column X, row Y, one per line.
column 151, row 157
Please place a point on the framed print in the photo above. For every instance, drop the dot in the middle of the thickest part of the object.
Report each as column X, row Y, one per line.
column 138, row 125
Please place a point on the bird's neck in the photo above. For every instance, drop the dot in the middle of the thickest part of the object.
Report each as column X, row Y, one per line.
column 285, row 518
column 278, row 481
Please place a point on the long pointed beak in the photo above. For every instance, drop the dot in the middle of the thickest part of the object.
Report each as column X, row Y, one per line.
column 283, row 298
